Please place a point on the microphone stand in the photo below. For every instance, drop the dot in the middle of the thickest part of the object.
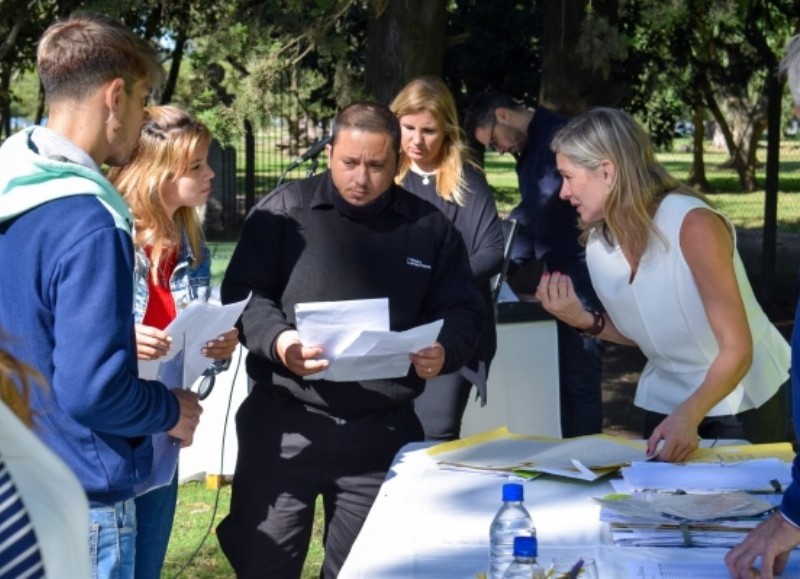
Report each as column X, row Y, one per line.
column 312, row 167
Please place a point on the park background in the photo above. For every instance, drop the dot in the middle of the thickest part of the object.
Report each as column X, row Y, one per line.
column 267, row 77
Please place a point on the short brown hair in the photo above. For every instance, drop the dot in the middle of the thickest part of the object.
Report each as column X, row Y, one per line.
column 77, row 55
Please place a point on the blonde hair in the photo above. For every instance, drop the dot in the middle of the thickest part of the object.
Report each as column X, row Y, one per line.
column 169, row 140
column 15, row 385
column 429, row 93
column 641, row 182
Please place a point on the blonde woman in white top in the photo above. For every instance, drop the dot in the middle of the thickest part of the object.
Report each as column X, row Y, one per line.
column 665, row 266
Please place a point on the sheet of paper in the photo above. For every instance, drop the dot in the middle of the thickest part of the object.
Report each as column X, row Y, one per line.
column 377, row 355
column 333, row 326
column 688, row 507
column 198, row 323
column 750, row 475
column 693, row 570
column 355, row 338
column 585, row 458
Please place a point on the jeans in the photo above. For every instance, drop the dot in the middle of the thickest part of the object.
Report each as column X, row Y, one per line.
column 112, row 540
column 155, row 511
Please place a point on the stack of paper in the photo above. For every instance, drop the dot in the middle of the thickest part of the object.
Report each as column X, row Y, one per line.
column 584, row 457
column 712, row 501
column 652, row 519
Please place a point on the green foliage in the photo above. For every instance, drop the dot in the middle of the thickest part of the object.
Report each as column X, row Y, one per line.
column 493, row 45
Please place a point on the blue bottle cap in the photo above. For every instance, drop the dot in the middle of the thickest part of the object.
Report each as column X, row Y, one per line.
column 512, row 492
column 525, row 546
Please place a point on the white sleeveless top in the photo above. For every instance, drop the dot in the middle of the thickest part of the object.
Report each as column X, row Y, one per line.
column 663, row 313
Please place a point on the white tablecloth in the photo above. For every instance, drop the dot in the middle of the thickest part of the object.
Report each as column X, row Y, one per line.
column 434, row 523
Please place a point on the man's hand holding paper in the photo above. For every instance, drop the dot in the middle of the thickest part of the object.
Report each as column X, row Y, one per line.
column 300, row 359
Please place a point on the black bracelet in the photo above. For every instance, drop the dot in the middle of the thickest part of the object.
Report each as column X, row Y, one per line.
column 597, row 327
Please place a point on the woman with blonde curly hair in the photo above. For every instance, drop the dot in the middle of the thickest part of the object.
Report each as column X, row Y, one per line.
column 435, row 165
column 665, row 267
column 164, row 183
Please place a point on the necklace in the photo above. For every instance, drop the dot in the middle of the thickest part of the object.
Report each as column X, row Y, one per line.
column 426, row 176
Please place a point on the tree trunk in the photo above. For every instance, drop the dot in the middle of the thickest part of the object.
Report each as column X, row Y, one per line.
column 175, row 61
column 405, row 39
column 697, row 174
column 568, row 85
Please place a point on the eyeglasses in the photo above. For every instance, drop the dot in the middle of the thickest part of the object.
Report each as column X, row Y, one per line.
column 492, row 145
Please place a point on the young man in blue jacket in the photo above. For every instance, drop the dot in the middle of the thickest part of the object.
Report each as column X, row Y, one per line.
column 67, row 287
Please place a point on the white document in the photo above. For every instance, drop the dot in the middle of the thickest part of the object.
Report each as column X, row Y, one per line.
column 194, row 326
column 749, row 475
column 691, row 570
column 355, row 338
column 333, row 326
column 586, row 457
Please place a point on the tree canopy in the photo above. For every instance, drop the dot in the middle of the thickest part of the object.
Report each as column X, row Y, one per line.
column 250, row 60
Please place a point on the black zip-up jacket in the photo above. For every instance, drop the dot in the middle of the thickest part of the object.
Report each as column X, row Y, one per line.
column 296, row 247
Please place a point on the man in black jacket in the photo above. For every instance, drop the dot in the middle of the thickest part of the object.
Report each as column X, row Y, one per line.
column 349, row 233
column 549, row 233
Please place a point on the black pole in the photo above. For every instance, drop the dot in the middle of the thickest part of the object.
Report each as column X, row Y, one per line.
column 249, row 167
column 769, row 243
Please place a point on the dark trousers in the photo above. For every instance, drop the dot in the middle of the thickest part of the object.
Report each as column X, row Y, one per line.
column 580, row 360
column 767, row 423
column 441, row 406
column 288, row 456
column 580, row 368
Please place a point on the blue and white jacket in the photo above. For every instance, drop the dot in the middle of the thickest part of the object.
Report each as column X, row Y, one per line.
column 65, row 302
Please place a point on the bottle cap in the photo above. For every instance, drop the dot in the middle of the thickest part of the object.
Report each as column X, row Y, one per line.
column 512, row 492
column 525, row 546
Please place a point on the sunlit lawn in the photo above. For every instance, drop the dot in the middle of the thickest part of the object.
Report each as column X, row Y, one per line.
column 746, row 210
column 196, row 503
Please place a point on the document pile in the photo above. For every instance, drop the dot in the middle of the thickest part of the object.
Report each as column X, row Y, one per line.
column 499, row 451
column 711, row 501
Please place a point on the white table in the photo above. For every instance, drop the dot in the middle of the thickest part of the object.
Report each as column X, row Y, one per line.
column 434, row 523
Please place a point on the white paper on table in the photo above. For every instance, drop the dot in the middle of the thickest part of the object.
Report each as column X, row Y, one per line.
column 693, row 569
column 194, row 326
column 749, row 475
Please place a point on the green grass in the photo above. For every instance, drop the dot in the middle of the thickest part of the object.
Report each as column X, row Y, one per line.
column 746, row 210
column 193, row 527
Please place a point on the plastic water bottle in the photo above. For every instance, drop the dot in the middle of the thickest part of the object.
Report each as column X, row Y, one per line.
column 512, row 520
column 524, row 565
